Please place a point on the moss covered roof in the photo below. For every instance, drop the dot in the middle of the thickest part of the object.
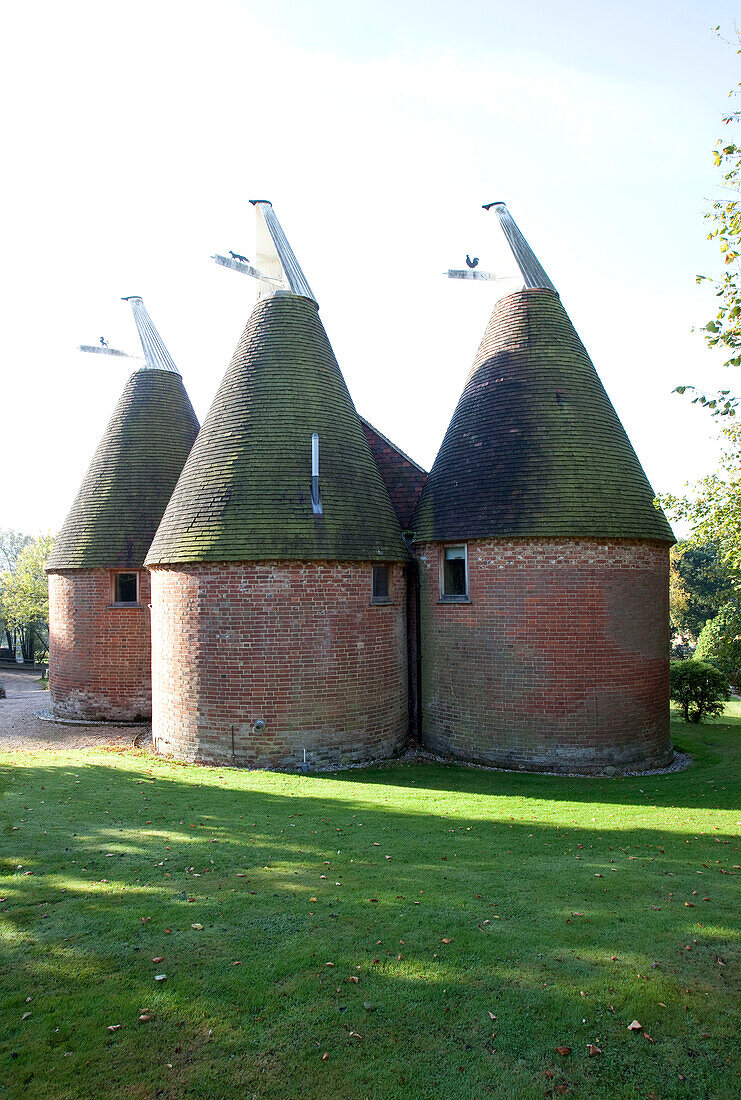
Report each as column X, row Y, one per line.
column 535, row 447
column 245, row 491
column 131, row 477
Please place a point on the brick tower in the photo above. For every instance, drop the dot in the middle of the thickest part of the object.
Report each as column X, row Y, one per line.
column 99, row 596
column 543, row 559
column 278, row 602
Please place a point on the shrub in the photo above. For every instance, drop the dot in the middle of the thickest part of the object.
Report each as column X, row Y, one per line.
column 720, row 643
column 699, row 688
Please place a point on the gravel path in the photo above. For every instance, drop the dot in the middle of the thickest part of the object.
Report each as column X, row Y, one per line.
column 21, row 729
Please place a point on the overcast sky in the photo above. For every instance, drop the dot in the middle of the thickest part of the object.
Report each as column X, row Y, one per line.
column 136, row 132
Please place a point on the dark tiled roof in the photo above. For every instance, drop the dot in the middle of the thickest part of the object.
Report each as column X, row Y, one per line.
column 133, row 472
column 535, row 447
column 245, row 492
column 403, row 478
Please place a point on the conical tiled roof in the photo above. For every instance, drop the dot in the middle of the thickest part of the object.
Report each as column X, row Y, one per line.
column 535, row 447
column 245, row 491
column 131, row 477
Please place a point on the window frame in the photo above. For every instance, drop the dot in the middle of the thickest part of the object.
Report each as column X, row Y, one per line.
column 380, row 600
column 115, row 573
column 445, row 597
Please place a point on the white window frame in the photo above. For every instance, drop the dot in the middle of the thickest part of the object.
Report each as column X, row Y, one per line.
column 447, row 597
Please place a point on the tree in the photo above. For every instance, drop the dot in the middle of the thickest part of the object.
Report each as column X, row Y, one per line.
column 700, row 584
column 720, row 642
column 700, row 689
column 11, row 544
column 713, row 510
column 724, row 330
column 24, row 597
column 725, row 215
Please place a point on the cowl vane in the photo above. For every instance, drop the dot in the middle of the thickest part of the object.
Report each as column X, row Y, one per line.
column 156, row 355
column 528, row 263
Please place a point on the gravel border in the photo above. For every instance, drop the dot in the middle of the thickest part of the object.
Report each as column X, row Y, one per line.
column 417, row 755
column 47, row 716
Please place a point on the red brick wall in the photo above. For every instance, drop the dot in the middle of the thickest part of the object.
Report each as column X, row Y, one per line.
column 99, row 655
column 404, row 480
column 296, row 645
column 560, row 660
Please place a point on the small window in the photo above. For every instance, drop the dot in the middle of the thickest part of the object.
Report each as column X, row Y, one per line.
column 126, row 588
column 380, row 590
column 454, row 580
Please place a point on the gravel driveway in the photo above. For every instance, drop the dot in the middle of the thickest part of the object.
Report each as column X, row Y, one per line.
column 21, row 729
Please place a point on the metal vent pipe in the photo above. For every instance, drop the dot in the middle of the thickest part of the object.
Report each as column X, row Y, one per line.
column 316, row 500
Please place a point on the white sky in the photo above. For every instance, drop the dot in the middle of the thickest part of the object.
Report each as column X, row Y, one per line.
column 135, row 133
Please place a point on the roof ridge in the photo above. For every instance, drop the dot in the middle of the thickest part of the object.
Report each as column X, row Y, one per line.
column 386, row 439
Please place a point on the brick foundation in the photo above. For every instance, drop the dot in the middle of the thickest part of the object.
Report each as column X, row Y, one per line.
column 298, row 646
column 558, row 663
column 99, row 655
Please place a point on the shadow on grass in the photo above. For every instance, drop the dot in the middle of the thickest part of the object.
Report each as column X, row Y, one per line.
column 453, row 896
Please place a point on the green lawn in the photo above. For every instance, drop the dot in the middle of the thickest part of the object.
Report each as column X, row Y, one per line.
column 415, row 932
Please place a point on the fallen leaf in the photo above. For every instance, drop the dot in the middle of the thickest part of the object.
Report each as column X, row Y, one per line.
column 158, row 958
column 168, row 931
column 593, row 1050
column 492, row 1016
column 144, row 1018
column 27, row 1015
column 635, row 1026
column 563, row 1051
column 160, row 977
column 562, row 1089
column 314, row 899
column 198, row 927
column 354, row 1035
column 549, row 1073
column 647, row 1036
column 354, row 979
column 113, row 1027
column 325, row 1057
column 444, row 940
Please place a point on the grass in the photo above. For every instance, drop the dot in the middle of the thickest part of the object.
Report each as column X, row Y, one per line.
column 488, row 918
